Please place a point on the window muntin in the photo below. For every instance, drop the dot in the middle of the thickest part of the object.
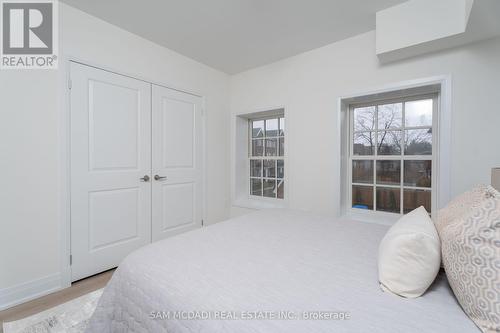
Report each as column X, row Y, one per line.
column 391, row 155
column 266, row 157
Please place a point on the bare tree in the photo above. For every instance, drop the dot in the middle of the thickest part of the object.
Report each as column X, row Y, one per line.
column 390, row 139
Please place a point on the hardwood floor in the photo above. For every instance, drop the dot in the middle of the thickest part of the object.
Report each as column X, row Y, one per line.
column 77, row 289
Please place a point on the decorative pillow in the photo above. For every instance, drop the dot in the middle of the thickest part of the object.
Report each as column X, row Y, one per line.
column 491, row 192
column 409, row 255
column 462, row 205
column 471, row 257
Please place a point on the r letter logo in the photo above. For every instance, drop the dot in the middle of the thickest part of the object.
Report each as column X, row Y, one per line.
column 29, row 38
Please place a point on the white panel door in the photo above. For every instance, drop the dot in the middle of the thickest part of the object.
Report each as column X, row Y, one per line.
column 177, row 162
column 110, row 153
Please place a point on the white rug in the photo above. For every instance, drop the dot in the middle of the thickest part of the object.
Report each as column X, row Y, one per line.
column 70, row 317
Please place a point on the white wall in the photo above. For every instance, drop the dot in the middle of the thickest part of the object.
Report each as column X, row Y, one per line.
column 30, row 142
column 28, row 186
column 309, row 85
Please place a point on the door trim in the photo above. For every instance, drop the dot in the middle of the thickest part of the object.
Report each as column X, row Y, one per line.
column 64, row 103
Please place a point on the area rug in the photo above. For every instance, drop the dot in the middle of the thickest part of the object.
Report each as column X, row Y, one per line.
column 70, row 317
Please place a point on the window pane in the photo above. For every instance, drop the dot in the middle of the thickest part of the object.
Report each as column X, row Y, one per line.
column 363, row 143
column 258, row 147
column 388, row 200
column 390, row 116
column 418, row 142
column 271, row 127
column 282, row 146
column 362, row 197
column 258, row 129
column 281, row 188
column 389, row 143
column 364, row 118
column 271, row 147
column 389, row 172
column 270, row 168
column 256, row 187
column 269, row 188
column 282, row 127
column 255, row 168
column 418, row 113
column 418, row 173
column 281, row 169
column 362, row 172
column 415, row 198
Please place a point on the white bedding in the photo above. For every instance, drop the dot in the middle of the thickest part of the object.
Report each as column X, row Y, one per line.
column 271, row 261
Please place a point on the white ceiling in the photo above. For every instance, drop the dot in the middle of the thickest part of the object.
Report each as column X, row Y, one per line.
column 236, row 35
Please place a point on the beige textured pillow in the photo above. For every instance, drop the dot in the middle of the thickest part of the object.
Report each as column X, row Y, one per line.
column 462, row 205
column 492, row 192
column 471, row 257
column 409, row 255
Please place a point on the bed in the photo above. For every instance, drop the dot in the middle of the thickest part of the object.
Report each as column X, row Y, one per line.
column 270, row 271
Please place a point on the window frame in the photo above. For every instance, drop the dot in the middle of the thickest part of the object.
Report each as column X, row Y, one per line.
column 250, row 157
column 368, row 213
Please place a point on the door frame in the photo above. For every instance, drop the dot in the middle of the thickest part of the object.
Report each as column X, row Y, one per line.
column 64, row 135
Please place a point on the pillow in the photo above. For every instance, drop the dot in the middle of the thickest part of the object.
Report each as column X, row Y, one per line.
column 471, row 257
column 461, row 205
column 491, row 192
column 409, row 255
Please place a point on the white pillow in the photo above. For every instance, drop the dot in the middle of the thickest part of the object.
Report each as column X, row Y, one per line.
column 409, row 255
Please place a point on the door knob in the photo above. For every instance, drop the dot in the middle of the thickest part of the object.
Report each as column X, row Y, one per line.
column 159, row 177
column 145, row 178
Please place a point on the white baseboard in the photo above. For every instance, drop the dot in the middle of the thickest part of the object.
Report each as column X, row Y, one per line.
column 27, row 291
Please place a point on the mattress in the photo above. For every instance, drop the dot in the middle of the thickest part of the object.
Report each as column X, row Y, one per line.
column 270, row 271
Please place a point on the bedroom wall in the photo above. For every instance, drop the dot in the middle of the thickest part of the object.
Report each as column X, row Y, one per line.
column 30, row 145
column 309, row 85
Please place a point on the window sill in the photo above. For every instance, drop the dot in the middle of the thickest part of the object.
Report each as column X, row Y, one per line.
column 259, row 204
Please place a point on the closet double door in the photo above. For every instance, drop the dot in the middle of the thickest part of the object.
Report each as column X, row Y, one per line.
column 135, row 166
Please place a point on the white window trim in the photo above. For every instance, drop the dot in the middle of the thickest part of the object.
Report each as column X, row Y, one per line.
column 441, row 158
column 265, row 157
column 401, row 157
column 241, row 196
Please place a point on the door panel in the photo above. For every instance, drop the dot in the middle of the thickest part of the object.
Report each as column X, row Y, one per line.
column 177, row 156
column 178, row 133
column 178, row 205
column 113, row 126
column 123, row 222
column 110, row 152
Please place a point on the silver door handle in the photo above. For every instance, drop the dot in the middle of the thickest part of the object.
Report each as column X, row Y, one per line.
column 159, row 177
column 145, row 178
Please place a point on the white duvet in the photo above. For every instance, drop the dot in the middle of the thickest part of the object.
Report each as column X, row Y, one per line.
column 271, row 271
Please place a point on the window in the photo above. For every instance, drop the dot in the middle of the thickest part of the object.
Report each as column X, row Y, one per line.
column 392, row 149
column 266, row 157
